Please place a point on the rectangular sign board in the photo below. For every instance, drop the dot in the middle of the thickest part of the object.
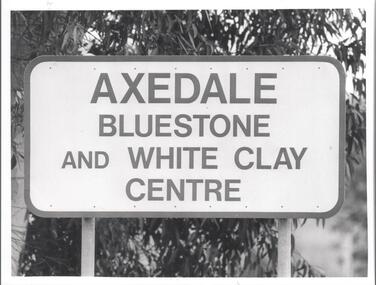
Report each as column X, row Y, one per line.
column 182, row 136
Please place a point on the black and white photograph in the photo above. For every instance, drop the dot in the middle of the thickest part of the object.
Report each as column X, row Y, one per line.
column 187, row 142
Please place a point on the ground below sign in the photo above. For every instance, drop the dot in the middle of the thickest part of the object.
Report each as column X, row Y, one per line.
column 185, row 136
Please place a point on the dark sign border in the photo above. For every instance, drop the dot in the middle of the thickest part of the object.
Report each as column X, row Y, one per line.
column 153, row 214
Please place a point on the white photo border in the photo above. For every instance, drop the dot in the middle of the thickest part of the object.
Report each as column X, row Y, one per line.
column 11, row 5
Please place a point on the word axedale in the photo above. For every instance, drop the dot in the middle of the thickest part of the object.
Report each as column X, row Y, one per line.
column 213, row 82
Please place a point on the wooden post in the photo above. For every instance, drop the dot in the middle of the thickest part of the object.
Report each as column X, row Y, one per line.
column 88, row 247
column 284, row 248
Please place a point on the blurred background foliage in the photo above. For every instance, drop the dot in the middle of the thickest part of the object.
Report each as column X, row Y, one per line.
column 187, row 247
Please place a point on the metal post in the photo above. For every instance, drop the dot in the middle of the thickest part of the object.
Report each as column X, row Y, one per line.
column 284, row 248
column 88, row 247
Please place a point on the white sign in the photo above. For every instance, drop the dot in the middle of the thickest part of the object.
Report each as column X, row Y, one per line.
column 185, row 136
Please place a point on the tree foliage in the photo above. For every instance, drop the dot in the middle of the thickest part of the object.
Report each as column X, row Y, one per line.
column 181, row 247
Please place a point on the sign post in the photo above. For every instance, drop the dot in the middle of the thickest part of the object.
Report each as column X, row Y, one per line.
column 214, row 137
column 88, row 247
column 284, row 248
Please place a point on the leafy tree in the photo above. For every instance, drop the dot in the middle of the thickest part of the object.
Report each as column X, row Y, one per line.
column 180, row 247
